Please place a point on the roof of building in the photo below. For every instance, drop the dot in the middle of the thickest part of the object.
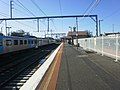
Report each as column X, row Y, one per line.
column 80, row 33
column 112, row 33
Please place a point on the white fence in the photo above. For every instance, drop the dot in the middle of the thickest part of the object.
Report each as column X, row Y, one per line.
column 108, row 45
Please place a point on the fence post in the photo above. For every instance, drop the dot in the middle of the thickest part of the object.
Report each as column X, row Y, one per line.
column 116, row 47
column 102, row 44
column 89, row 44
column 93, row 43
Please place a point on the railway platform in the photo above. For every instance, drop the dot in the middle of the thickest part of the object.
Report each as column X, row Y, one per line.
column 85, row 70
column 71, row 68
column 77, row 69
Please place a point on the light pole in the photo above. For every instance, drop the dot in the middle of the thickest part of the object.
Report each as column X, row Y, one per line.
column 70, row 28
column 8, row 30
column 100, row 27
column 71, row 35
column 77, row 31
column 11, row 7
column 113, row 27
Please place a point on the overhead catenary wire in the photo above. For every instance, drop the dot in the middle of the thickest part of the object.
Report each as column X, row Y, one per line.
column 17, row 5
column 26, row 8
column 24, row 24
column 91, row 7
column 20, row 7
column 113, row 13
column 95, row 5
column 61, row 12
column 20, row 12
column 39, row 8
column 5, row 15
column 1, row 13
column 60, row 7
column 4, row 2
column 88, row 9
column 42, row 12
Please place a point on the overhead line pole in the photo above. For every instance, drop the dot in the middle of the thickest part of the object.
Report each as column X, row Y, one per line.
column 96, row 26
column 38, row 24
column 48, row 25
column 77, row 31
column 6, row 27
column 11, row 3
column 72, row 16
column 48, row 17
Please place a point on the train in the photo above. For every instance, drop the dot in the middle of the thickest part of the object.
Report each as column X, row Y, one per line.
column 15, row 43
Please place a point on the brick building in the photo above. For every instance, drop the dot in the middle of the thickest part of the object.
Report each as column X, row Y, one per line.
column 77, row 35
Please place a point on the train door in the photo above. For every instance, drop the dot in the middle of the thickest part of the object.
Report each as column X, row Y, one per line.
column 7, row 45
column 1, row 46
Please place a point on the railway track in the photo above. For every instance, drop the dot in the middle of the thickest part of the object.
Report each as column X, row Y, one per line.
column 14, row 76
column 16, row 57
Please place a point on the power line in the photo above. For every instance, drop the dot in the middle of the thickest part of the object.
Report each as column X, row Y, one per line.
column 21, row 12
column 20, row 6
column 113, row 13
column 53, row 24
column 24, row 24
column 39, row 8
column 90, row 5
column 61, row 12
column 42, row 11
column 4, row 2
column 14, row 8
column 95, row 5
column 3, row 14
column 25, row 8
column 60, row 7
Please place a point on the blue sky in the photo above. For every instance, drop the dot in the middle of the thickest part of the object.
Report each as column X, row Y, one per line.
column 108, row 10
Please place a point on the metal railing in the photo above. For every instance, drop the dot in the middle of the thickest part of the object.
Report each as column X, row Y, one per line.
column 106, row 45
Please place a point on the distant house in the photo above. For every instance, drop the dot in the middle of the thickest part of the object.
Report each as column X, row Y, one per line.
column 112, row 34
column 77, row 35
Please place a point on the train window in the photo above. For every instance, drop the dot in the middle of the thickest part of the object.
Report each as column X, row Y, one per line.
column 0, row 42
column 31, row 42
column 8, row 42
column 21, row 42
column 25, row 41
column 35, row 41
column 15, row 42
column 28, row 41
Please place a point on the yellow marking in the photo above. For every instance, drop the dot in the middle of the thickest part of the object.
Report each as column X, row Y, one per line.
column 50, row 75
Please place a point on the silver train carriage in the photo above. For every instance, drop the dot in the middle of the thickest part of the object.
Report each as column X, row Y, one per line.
column 15, row 43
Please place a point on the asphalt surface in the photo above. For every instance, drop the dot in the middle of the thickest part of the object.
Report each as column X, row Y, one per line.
column 81, row 70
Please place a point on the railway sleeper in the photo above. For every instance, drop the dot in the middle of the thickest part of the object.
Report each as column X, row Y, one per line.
column 22, row 81
column 12, row 87
column 15, row 84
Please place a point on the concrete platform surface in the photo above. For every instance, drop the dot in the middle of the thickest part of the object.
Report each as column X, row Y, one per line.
column 82, row 70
